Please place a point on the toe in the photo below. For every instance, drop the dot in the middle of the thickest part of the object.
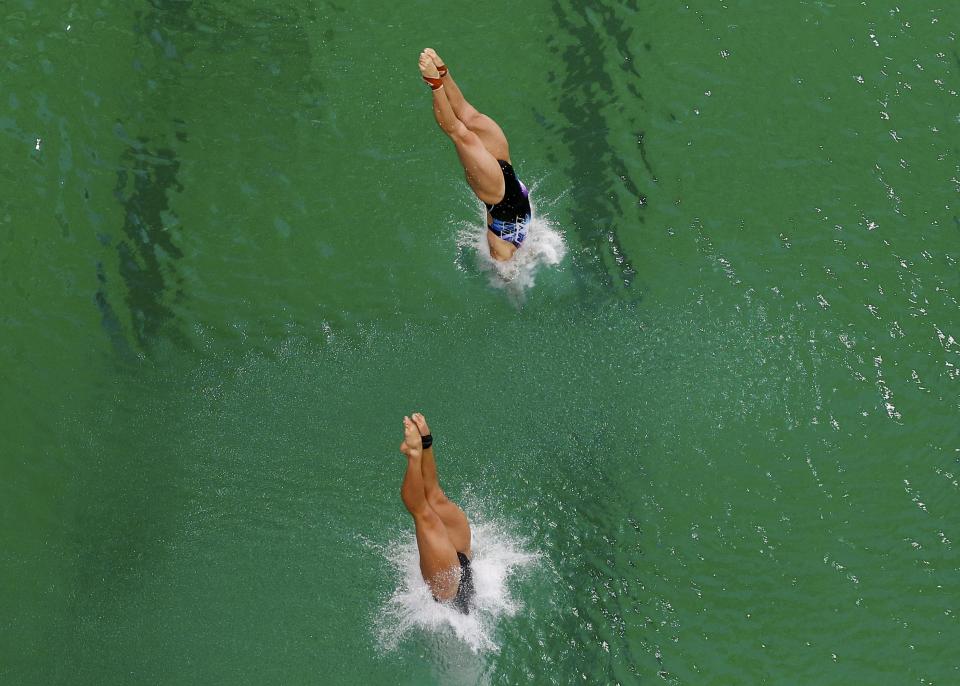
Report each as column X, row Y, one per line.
column 421, row 422
column 429, row 69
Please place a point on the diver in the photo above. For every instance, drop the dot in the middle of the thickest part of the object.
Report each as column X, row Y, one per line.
column 485, row 157
column 443, row 532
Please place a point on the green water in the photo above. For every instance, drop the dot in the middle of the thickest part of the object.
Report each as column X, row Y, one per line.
column 726, row 423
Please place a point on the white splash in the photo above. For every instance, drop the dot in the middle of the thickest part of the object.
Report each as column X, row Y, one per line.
column 411, row 608
column 544, row 246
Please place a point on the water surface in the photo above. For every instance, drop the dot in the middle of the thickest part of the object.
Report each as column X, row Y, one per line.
column 719, row 429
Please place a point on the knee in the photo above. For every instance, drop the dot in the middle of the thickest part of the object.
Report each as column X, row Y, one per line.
column 470, row 117
column 435, row 496
column 427, row 520
column 460, row 134
column 419, row 510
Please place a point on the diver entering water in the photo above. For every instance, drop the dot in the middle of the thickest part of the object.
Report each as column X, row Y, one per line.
column 443, row 531
column 485, row 157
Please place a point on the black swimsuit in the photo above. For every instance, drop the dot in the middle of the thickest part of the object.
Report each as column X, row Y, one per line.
column 511, row 214
column 465, row 590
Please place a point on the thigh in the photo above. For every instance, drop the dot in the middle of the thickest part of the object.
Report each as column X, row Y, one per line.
column 456, row 523
column 490, row 134
column 439, row 564
column 483, row 172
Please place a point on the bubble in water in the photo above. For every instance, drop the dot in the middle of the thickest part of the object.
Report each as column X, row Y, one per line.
column 497, row 554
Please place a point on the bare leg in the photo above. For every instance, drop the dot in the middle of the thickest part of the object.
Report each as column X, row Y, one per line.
column 470, row 130
column 453, row 518
column 483, row 172
column 438, row 557
column 486, row 128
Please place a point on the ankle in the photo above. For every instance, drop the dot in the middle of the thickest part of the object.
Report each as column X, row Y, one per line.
column 435, row 82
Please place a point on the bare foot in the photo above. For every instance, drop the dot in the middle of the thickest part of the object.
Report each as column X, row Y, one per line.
column 421, row 423
column 432, row 54
column 412, row 445
column 427, row 67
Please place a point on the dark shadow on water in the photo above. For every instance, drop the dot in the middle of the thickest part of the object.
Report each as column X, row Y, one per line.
column 147, row 253
column 147, row 176
column 175, row 39
column 606, row 200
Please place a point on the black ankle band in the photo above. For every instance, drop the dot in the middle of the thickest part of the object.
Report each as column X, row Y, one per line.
column 427, row 441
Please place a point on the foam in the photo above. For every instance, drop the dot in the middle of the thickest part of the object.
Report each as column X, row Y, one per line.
column 411, row 609
column 545, row 245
